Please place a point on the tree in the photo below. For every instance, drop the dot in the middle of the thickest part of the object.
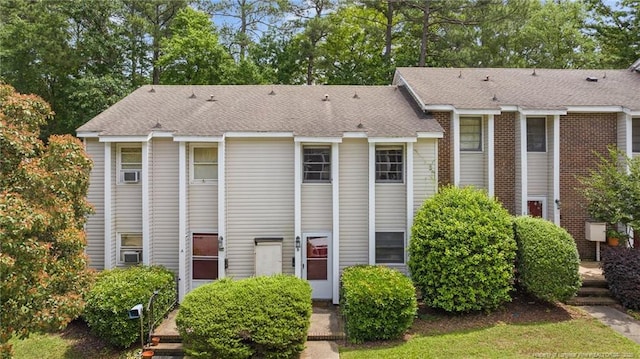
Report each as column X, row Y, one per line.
column 43, row 207
column 193, row 55
column 618, row 30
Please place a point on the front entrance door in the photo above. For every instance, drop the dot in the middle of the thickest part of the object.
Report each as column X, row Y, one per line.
column 317, row 264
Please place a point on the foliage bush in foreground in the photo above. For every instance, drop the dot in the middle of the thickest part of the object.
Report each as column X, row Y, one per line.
column 462, row 251
column 547, row 260
column 258, row 317
column 377, row 302
column 118, row 290
column 621, row 269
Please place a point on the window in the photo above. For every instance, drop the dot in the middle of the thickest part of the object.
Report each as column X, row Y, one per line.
column 130, row 164
column 390, row 247
column 635, row 135
column 129, row 248
column 470, row 134
column 204, row 164
column 316, row 164
column 204, row 256
column 389, row 167
column 536, row 134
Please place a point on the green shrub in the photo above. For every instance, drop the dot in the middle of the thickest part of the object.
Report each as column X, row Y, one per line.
column 377, row 302
column 547, row 260
column 259, row 317
column 118, row 290
column 462, row 251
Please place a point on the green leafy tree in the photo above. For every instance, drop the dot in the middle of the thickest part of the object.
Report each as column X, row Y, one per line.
column 193, row 55
column 43, row 207
column 617, row 29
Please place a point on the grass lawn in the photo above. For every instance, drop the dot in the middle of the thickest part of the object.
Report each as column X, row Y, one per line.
column 576, row 338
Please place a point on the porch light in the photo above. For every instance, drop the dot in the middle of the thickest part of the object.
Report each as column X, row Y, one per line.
column 220, row 243
column 557, row 204
column 298, row 244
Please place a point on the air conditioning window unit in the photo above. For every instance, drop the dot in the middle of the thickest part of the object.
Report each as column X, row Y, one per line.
column 131, row 257
column 131, row 176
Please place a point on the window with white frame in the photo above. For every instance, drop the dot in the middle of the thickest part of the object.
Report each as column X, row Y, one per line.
column 389, row 164
column 204, row 256
column 130, row 164
column 390, row 248
column 316, row 164
column 204, row 164
column 470, row 133
column 635, row 135
column 129, row 248
column 536, row 134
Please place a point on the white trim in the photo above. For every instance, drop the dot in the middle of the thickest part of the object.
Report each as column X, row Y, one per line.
column 429, row 134
column 198, row 138
column 541, row 112
column 124, row 138
column 297, row 207
column 182, row 221
column 629, row 136
column 119, row 247
column 599, row 109
column 146, row 206
column 404, row 83
column 330, row 259
column 480, row 119
column 509, row 108
column 476, row 112
column 119, row 170
column 409, row 188
column 455, row 129
column 108, row 165
column 540, row 199
column 491, row 173
column 631, row 112
column 209, row 181
column 392, row 139
column 87, row 134
column 372, row 203
column 161, row 134
column 318, row 139
column 438, row 108
column 354, row 135
column 556, row 168
column 523, row 164
column 258, row 134
column 335, row 193
column 222, row 210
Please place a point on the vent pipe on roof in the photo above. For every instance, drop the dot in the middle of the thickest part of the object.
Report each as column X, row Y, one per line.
column 534, row 72
column 486, row 78
column 157, row 125
column 211, row 98
column 460, row 74
column 152, row 90
column 326, row 97
column 272, row 92
column 355, row 95
column 592, row 79
column 193, row 95
column 495, row 98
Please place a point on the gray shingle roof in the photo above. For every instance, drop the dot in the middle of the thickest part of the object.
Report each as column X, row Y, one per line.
column 383, row 111
column 548, row 89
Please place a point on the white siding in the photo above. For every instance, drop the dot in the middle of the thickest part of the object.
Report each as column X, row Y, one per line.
column 259, row 200
column 518, row 185
column 202, row 204
column 622, row 132
column 354, row 202
column 164, row 165
column 425, row 169
column 391, row 204
column 114, row 178
column 472, row 169
column 551, row 206
column 538, row 173
column 317, row 214
column 95, row 223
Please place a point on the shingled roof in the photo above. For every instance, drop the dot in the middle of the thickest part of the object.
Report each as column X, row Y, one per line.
column 497, row 88
column 323, row 111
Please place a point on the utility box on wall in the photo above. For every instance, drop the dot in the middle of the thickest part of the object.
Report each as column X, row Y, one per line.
column 595, row 231
column 268, row 256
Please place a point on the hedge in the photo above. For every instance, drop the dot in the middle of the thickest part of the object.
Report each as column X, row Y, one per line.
column 116, row 291
column 462, row 251
column 547, row 260
column 621, row 269
column 377, row 303
column 258, row 317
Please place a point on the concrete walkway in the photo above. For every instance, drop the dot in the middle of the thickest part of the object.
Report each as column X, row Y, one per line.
column 618, row 321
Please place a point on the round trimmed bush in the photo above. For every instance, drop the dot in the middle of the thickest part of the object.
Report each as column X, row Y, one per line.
column 462, row 251
column 547, row 260
column 116, row 291
column 258, row 317
column 377, row 302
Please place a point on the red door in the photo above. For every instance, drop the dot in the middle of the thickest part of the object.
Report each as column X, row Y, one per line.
column 535, row 208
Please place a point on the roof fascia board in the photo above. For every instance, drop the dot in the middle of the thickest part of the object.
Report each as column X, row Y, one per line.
column 509, row 108
column 161, row 134
column 470, row 111
column 88, row 134
column 631, row 112
column 125, row 138
column 402, row 82
column 439, row 108
column 258, row 134
column 430, row 135
column 197, row 138
column 595, row 109
column 318, row 139
column 541, row 112
column 354, row 135
column 392, row 139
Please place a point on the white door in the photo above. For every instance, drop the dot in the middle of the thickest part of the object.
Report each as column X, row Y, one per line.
column 317, row 264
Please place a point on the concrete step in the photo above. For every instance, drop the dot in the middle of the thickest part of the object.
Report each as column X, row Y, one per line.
column 578, row 301
column 593, row 292
column 594, row 283
column 168, row 338
column 167, row 349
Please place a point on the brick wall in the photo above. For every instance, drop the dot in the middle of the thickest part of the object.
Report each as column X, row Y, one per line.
column 505, row 159
column 444, row 149
column 580, row 135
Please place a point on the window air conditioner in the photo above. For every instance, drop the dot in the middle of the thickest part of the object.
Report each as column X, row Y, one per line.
column 131, row 257
column 131, row 176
